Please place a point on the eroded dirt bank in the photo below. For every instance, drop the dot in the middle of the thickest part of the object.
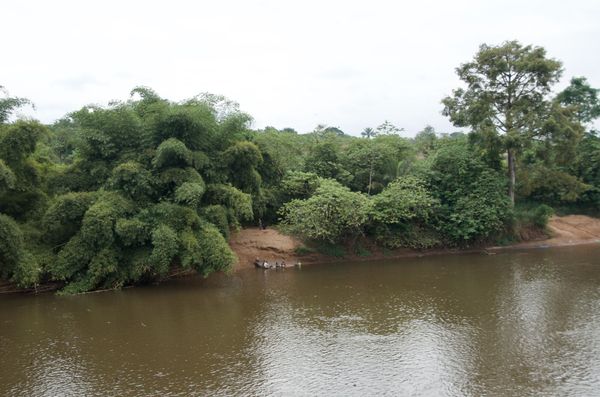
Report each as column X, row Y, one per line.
column 272, row 245
column 565, row 231
column 268, row 244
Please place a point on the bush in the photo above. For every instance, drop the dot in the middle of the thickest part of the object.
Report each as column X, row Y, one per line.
column 331, row 214
column 238, row 202
column 541, row 215
column 360, row 250
column 193, row 126
column 165, row 245
column 406, row 236
column 474, row 203
column 12, row 246
column 190, row 194
column 330, row 249
column 480, row 214
column 63, row 218
column 72, row 260
column 7, row 177
column 550, row 185
column 531, row 215
column 171, row 178
column 99, row 221
column 132, row 179
column 404, row 200
column 172, row 153
column 132, row 232
column 175, row 216
column 215, row 252
column 217, row 215
column 303, row 250
column 299, row 185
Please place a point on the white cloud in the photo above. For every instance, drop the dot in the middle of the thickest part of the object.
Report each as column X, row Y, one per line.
column 289, row 63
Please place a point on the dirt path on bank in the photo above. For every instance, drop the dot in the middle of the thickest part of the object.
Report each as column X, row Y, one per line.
column 272, row 245
column 268, row 244
column 567, row 230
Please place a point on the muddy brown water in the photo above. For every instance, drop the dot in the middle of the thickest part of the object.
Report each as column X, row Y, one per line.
column 511, row 324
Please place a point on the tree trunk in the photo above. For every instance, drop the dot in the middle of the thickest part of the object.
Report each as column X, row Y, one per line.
column 370, row 180
column 511, row 175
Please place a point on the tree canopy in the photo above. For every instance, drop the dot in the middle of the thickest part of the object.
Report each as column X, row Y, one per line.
column 139, row 189
column 507, row 88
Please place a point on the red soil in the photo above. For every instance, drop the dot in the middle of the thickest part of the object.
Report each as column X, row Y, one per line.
column 272, row 245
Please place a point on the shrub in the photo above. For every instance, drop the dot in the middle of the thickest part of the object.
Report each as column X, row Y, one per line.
column 331, row 214
column 190, row 194
column 172, row 153
column 132, row 179
column 474, row 204
column 405, row 199
column 132, row 232
column 175, row 216
column 299, row 185
column 479, row 214
column 406, row 236
column 7, row 177
column 171, row 178
column 63, row 218
column 12, row 246
column 165, row 245
column 541, row 215
column 238, row 202
column 303, row 250
column 99, row 221
column 330, row 249
column 217, row 215
column 215, row 252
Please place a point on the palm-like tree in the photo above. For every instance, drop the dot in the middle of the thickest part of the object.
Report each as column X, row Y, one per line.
column 368, row 133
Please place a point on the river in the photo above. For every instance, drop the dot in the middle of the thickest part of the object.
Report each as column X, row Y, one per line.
column 510, row 324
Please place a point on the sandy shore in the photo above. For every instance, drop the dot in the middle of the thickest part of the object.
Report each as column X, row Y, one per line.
column 565, row 231
column 271, row 245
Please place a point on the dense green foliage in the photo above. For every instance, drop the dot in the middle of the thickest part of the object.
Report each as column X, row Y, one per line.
column 332, row 213
column 505, row 101
column 136, row 189
column 131, row 192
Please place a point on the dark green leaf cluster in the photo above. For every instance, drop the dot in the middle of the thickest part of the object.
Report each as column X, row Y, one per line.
column 474, row 205
column 147, row 186
column 455, row 200
column 132, row 192
column 332, row 213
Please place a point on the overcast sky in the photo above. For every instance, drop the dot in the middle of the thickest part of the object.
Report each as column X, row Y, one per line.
column 350, row 64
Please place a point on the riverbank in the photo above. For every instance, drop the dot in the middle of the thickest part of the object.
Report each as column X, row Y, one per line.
column 565, row 231
column 338, row 323
column 272, row 245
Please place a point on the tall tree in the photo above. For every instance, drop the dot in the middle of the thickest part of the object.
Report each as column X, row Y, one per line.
column 425, row 139
column 8, row 104
column 583, row 98
column 506, row 94
column 369, row 133
column 387, row 128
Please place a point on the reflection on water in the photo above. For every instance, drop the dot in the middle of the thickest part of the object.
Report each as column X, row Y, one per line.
column 520, row 323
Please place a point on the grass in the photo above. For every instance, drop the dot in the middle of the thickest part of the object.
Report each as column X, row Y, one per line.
column 303, row 250
column 505, row 240
column 361, row 251
column 329, row 249
column 533, row 214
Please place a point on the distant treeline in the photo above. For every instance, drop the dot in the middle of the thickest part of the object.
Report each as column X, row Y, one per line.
column 123, row 194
